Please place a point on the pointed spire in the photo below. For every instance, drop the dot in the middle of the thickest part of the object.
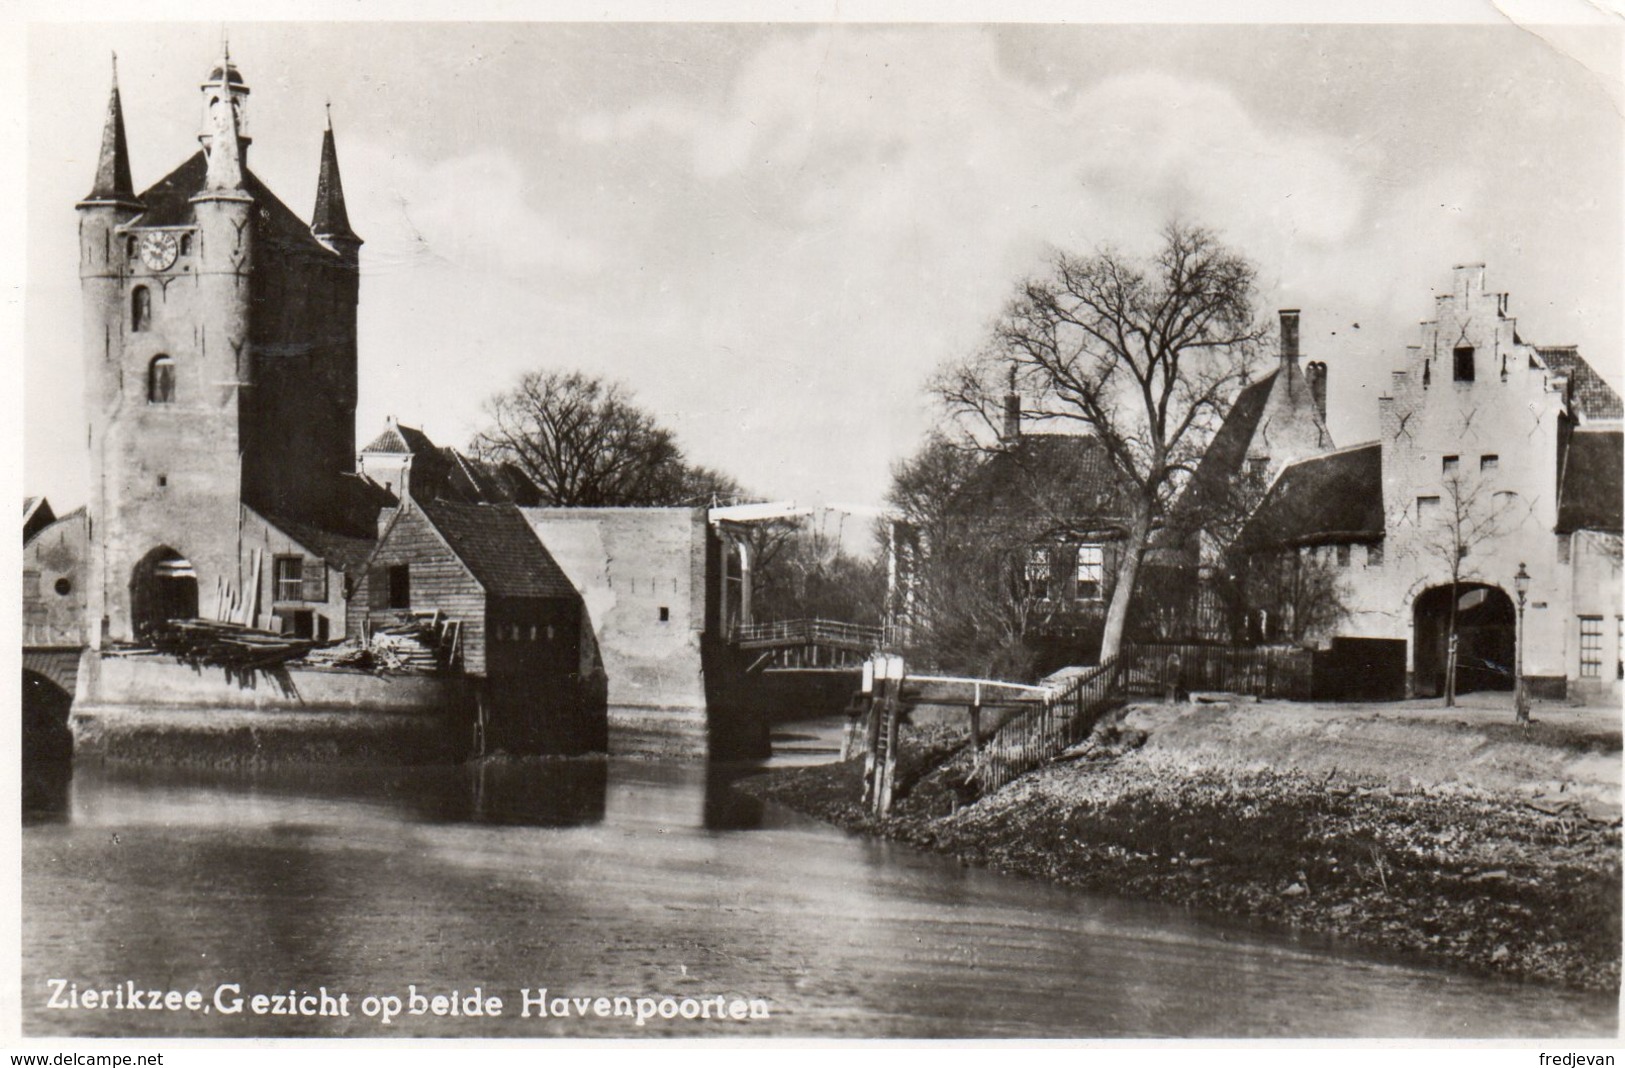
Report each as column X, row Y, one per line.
column 225, row 149
column 330, row 221
column 113, row 165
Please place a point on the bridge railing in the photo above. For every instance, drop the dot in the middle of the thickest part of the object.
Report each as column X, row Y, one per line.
column 1062, row 719
column 809, row 631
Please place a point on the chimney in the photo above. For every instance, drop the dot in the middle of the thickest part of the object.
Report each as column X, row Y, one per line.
column 1315, row 371
column 1289, row 336
column 1012, row 418
column 1011, row 431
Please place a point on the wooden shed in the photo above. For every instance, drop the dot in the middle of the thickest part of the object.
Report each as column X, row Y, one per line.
column 518, row 616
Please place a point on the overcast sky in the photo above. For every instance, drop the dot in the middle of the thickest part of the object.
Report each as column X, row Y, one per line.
column 773, row 234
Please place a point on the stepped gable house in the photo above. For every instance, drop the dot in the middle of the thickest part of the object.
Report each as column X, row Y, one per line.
column 1497, row 453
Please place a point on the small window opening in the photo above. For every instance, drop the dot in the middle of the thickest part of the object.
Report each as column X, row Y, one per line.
column 161, row 381
column 140, row 309
column 163, row 480
column 290, row 578
column 1373, row 556
column 1464, row 363
column 1343, row 556
column 63, row 587
column 400, row 586
column 1092, row 571
column 1452, row 464
column 665, row 614
column 129, row 247
column 1426, row 508
column 186, row 250
column 1489, row 462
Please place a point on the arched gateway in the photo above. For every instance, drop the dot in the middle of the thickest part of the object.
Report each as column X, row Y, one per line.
column 1486, row 648
column 162, row 587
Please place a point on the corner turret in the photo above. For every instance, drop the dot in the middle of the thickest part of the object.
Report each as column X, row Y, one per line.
column 330, row 222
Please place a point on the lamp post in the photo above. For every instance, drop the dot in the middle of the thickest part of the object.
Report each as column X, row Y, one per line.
column 1520, row 698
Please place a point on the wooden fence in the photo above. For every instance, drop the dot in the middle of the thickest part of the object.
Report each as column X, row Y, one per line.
column 1156, row 669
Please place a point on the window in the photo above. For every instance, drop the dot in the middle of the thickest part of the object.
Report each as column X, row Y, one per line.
column 665, row 614
column 186, row 250
column 1091, row 572
column 1343, row 552
column 1258, row 466
column 1488, row 462
column 1452, row 464
column 161, row 381
column 1591, row 647
column 1373, row 556
column 1464, row 363
column 129, row 247
column 163, row 480
column 62, row 587
column 289, row 572
column 140, row 308
column 1037, row 572
column 1426, row 508
column 400, row 586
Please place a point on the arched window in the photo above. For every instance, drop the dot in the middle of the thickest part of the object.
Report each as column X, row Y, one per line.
column 186, row 244
column 161, row 381
column 140, row 308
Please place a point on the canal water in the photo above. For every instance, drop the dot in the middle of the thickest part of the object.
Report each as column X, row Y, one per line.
column 642, row 880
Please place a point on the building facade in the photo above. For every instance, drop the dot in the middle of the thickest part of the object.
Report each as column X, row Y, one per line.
column 1495, row 455
column 220, row 366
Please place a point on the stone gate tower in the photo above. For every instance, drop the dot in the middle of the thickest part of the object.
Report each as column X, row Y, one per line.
column 220, row 364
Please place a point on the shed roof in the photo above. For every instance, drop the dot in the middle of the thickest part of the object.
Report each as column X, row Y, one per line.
column 347, row 552
column 1589, row 394
column 1336, row 496
column 501, row 550
column 1590, row 497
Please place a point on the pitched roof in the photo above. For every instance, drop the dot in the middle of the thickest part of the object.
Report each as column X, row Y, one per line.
column 1209, row 489
column 496, row 544
column 169, row 203
column 1336, row 496
column 1061, row 478
column 398, row 438
column 1589, row 394
column 1590, row 497
column 444, row 473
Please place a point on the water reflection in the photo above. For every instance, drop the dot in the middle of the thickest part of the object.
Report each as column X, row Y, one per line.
column 616, row 877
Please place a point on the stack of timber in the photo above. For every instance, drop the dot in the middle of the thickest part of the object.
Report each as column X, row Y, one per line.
column 223, row 644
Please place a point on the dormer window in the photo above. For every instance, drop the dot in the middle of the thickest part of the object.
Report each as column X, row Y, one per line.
column 1464, row 363
column 140, row 309
column 161, row 381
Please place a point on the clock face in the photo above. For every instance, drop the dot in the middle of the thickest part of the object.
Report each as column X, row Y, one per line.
column 158, row 251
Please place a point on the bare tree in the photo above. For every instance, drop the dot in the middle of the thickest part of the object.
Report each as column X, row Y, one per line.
column 584, row 443
column 1146, row 356
column 1469, row 517
column 1298, row 590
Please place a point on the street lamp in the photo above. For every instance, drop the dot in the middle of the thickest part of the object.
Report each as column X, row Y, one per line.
column 1520, row 698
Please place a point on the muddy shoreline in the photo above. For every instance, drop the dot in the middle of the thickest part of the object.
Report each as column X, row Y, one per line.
column 1483, row 879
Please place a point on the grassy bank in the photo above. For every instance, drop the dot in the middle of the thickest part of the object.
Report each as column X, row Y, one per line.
column 1506, row 860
